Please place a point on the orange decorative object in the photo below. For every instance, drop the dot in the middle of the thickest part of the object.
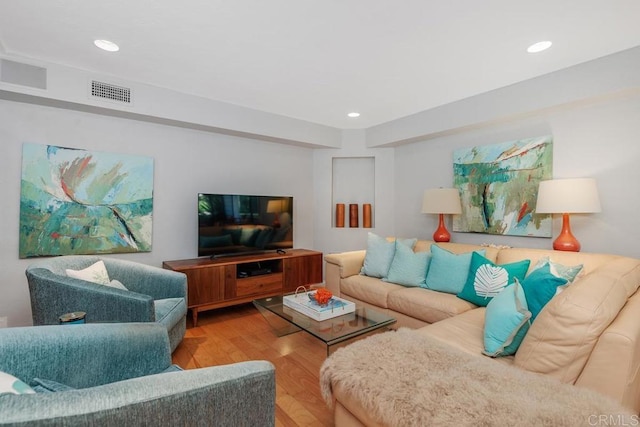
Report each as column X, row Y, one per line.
column 441, row 234
column 340, row 215
column 566, row 241
column 366, row 215
column 323, row 295
column 353, row 215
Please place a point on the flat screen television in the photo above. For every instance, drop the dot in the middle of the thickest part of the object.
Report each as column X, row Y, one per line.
column 238, row 224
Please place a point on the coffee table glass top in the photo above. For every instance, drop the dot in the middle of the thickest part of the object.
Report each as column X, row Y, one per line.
column 331, row 331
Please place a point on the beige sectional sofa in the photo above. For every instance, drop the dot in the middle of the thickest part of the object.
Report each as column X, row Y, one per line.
column 588, row 335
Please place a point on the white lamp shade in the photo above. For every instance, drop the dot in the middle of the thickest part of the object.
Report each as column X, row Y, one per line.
column 577, row 195
column 441, row 201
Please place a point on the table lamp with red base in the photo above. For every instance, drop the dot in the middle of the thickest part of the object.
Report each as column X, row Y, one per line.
column 441, row 201
column 567, row 196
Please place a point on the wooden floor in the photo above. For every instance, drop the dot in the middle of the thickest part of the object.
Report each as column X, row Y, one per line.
column 240, row 333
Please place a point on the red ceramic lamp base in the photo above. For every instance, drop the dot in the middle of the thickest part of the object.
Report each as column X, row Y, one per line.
column 441, row 234
column 566, row 241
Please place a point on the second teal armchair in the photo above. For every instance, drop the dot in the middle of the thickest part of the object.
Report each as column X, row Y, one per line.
column 121, row 375
column 153, row 294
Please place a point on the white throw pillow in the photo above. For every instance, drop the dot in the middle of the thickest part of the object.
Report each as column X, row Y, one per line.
column 10, row 384
column 96, row 273
column 117, row 284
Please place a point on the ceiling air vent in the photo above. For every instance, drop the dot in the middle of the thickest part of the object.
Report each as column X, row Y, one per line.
column 110, row 92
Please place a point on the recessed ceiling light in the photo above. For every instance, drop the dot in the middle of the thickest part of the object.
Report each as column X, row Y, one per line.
column 353, row 114
column 107, row 45
column 539, row 47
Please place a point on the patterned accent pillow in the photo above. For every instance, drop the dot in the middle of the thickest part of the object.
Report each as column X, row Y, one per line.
column 11, row 384
column 96, row 273
column 379, row 256
column 448, row 272
column 408, row 268
column 569, row 272
column 486, row 279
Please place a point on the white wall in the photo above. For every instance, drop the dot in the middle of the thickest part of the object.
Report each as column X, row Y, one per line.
column 329, row 239
column 186, row 162
column 598, row 139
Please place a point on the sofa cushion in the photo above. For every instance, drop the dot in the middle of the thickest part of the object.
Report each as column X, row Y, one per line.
column 448, row 271
column 506, row 321
column 565, row 332
column 464, row 331
column 379, row 256
column 539, row 287
column 408, row 268
column 368, row 289
column 486, row 279
column 426, row 305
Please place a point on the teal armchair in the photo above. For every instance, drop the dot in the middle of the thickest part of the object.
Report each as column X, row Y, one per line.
column 153, row 294
column 121, row 374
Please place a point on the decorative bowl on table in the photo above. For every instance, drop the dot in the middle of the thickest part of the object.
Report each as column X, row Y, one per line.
column 322, row 296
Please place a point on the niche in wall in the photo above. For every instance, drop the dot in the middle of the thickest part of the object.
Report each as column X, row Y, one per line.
column 353, row 182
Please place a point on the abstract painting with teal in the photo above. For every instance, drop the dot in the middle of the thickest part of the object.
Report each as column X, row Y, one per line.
column 498, row 186
column 74, row 201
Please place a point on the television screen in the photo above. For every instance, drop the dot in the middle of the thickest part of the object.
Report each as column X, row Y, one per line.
column 235, row 224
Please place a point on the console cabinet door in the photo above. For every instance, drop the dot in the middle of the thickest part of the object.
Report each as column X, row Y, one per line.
column 301, row 271
column 206, row 285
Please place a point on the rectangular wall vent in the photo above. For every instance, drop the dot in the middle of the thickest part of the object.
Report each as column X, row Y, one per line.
column 110, row 92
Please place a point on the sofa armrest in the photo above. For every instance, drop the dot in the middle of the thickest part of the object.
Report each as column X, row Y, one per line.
column 53, row 295
column 350, row 263
column 242, row 394
column 341, row 265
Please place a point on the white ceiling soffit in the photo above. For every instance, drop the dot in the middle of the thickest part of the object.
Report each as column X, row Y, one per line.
column 319, row 60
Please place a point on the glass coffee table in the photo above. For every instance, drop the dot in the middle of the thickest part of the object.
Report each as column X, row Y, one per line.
column 335, row 332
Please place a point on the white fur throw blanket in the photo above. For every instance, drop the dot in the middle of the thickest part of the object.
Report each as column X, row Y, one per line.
column 404, row 378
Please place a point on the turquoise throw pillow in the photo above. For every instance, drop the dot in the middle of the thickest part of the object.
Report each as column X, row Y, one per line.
column 486, row 279
column 11, row 384
column 408, row 268
column 506, row 321
column 411, row 243
column 539, row 287
column 448, row 271
column 378, row 257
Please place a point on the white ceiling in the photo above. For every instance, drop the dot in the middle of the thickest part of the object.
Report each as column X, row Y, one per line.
column 317, row 60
